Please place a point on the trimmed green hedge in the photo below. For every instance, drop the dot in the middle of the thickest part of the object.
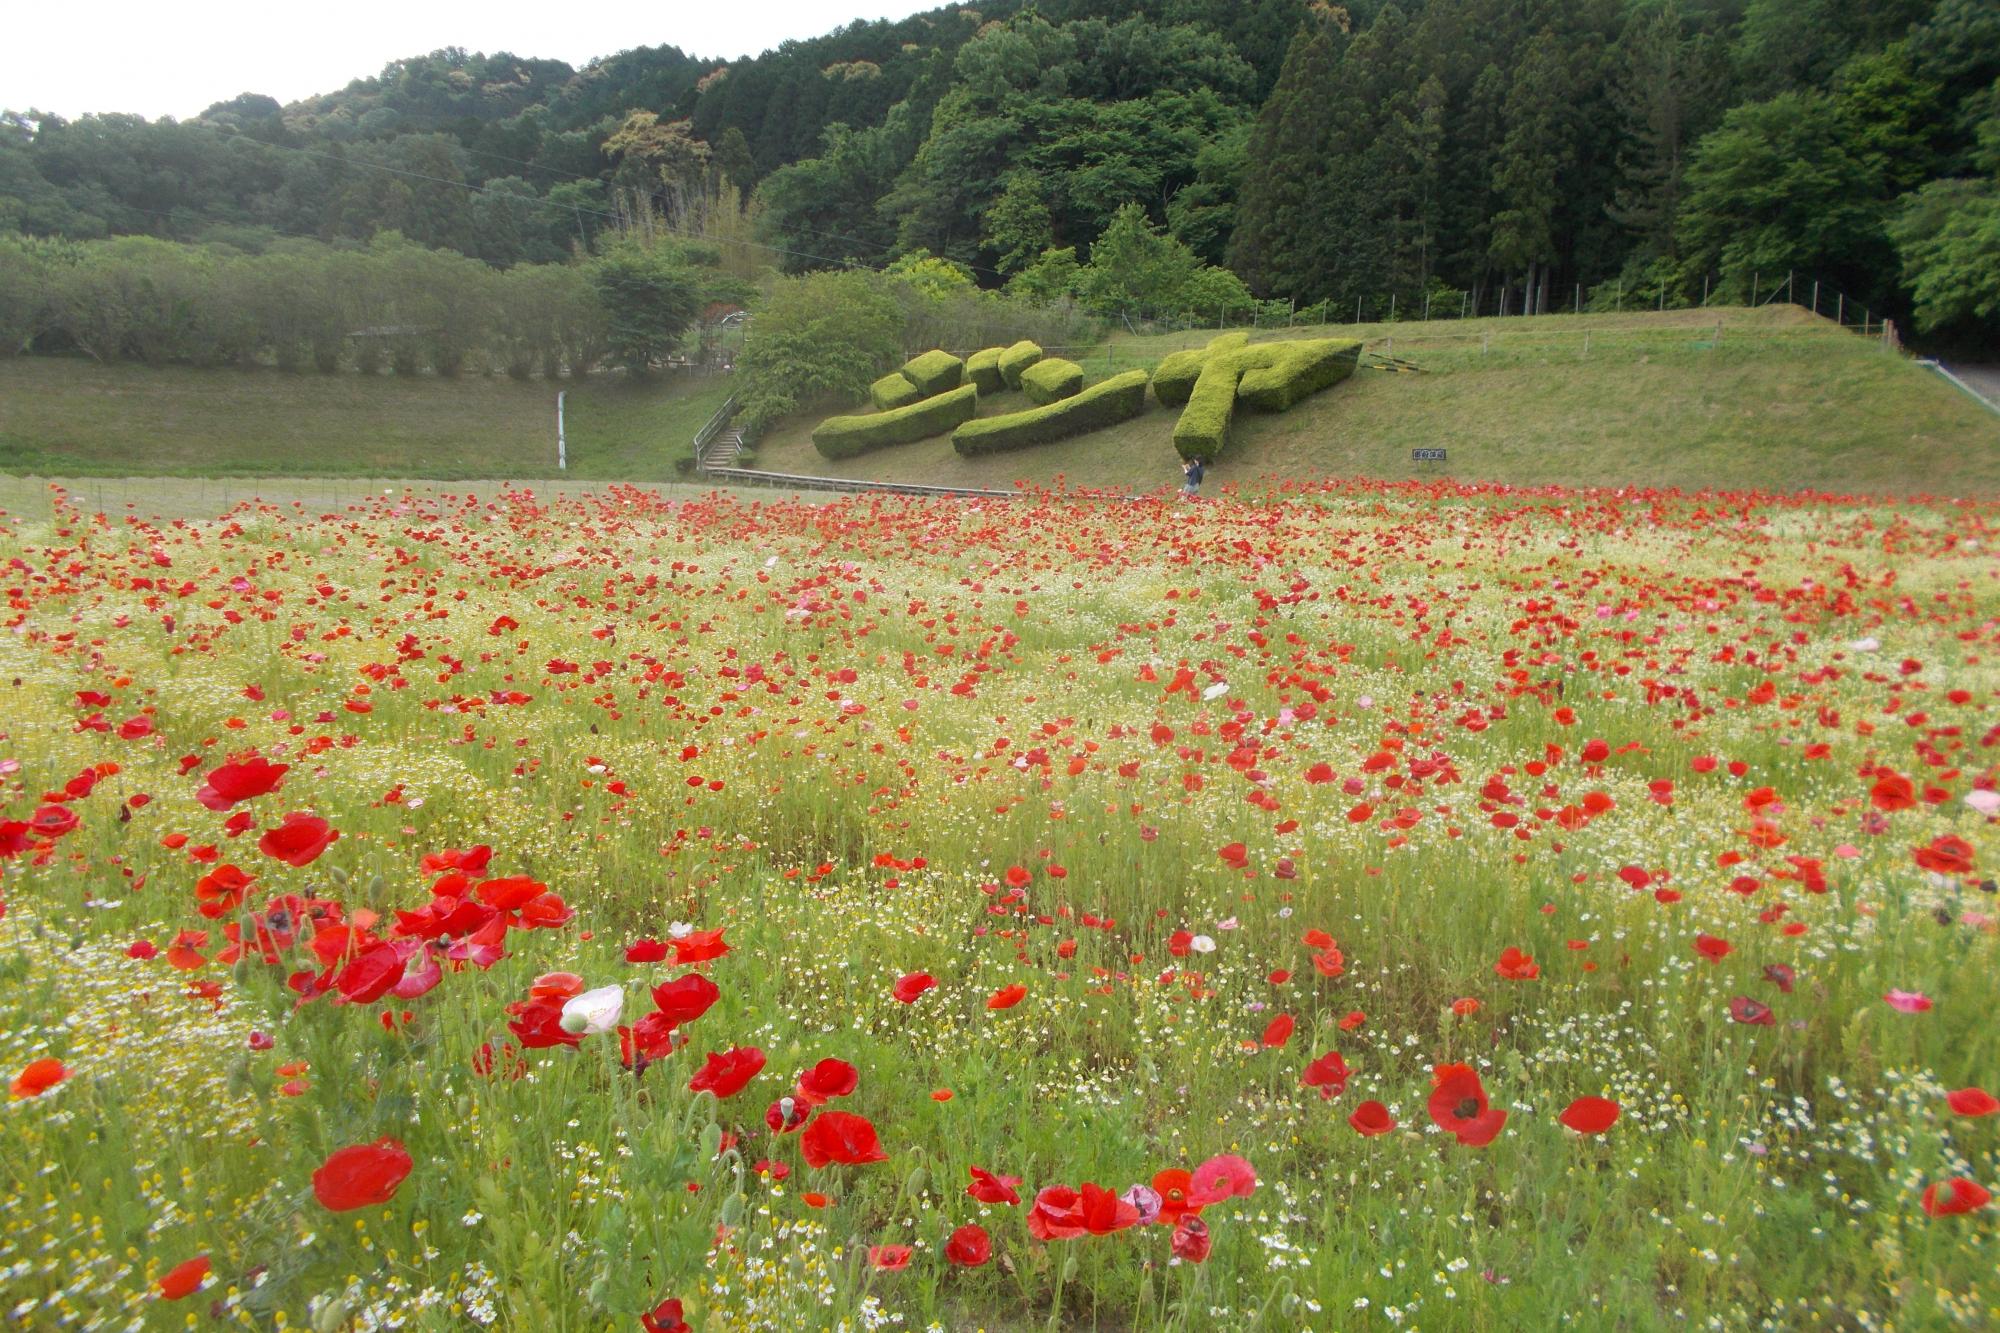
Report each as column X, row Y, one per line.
column 845, row 437
column 892, row 391
column 1017, row 359
column 1203, row 430
column 1174, row 380
column 935, row 372
column 982, row 369
column 1117, row 399
column 1293, row 371
column 1051, row 380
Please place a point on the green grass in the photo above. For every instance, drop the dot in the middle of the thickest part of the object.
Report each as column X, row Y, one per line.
column 1782, row 401
column 61, row 417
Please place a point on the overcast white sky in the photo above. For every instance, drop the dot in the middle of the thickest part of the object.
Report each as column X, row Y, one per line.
column 158, row 58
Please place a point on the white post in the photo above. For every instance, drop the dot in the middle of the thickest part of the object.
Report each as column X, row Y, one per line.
column 562, row 446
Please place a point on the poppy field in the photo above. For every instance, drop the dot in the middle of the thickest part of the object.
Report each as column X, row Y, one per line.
column 1367, row 905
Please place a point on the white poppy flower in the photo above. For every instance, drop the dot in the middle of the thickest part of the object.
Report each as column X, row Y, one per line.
column 594, row 1011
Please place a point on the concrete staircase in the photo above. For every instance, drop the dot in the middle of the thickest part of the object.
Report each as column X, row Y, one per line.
column 722, row 451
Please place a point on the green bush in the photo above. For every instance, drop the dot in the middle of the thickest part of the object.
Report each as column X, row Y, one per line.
column 845, row 437
column 1293, row 371
column 892, row 391
column 1176, row 376
column 1051, row 380
column 982, row 370
column 1017, row 359
column 1203, row 430
column 1117, row 399
column 935, row 372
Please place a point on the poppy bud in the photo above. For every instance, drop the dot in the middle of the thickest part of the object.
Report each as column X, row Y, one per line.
column 732, row 1210
column 914, row 1185
column 711, row 1140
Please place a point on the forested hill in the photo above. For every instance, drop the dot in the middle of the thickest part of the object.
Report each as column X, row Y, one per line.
column 1492, row 154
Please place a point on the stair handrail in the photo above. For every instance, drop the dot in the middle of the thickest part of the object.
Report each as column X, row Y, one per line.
column 712, row 428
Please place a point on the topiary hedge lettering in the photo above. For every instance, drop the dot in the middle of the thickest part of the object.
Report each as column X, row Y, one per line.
column 845, row 437
column 1117, row 399
column 1051, row 380
column 1293, row 371
column 934, row 372
column 1203, row 429
column 1176, row 376
column 892, row 391
column 982, row 369
column 1017, row 359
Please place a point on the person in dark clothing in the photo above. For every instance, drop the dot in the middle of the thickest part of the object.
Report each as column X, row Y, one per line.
column 1191, row 470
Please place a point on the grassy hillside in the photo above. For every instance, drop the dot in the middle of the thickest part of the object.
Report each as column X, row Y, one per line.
column 62, row 417
column 1781, row 400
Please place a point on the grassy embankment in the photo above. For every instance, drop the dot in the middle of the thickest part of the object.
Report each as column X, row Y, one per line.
column 1781, row 400
column 73, row 418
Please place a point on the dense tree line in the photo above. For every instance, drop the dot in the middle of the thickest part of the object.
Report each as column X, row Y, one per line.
column 388, row 305
column 1155, row 156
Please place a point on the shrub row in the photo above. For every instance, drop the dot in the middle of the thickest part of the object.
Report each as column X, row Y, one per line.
column 1051, row 380
column 982, row 370
column 1017, row 359
column 1203, row 429
column 1175, row 378
column 892, row 391
column 1117, row 399
column 935, row 372
column 846, row 437
column 1286, row 373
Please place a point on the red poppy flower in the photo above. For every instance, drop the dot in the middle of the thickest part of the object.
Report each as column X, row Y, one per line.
column 1746, row 1010
column 537, row 1025
column 686, row 997
column 1948, row 855
column 1191, row 1242
column 699, row 946
column 1224, row 1176
column 555, row 986
column 1516, row 966
column 889, row 1258
column 1458, row 1106
column 1590, row 1115
column 1972, row 1102
column 727, row 1073
column 1329, row 1074
column 1278, row 1031
column 510, row 894
column 1103, row 1212
column 37, row 1078
column 299, row 840
column 1955, row 1196
column 1892, row 791
column 969, row 1246
column 989, row 1188
column 221, row 891
column 787, row 1115
column 52, row 821
column 1370, row 1119
column 1057, row 1214
column 361, row 1176
column 1713, row 947
column 842, row 1137
column 184, row 1278
column 240, row 781
column 664, row 1318
column 371, row 976
column 826, row 1080
column 1006, row 997
column 909, row 987
column 646, row 951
